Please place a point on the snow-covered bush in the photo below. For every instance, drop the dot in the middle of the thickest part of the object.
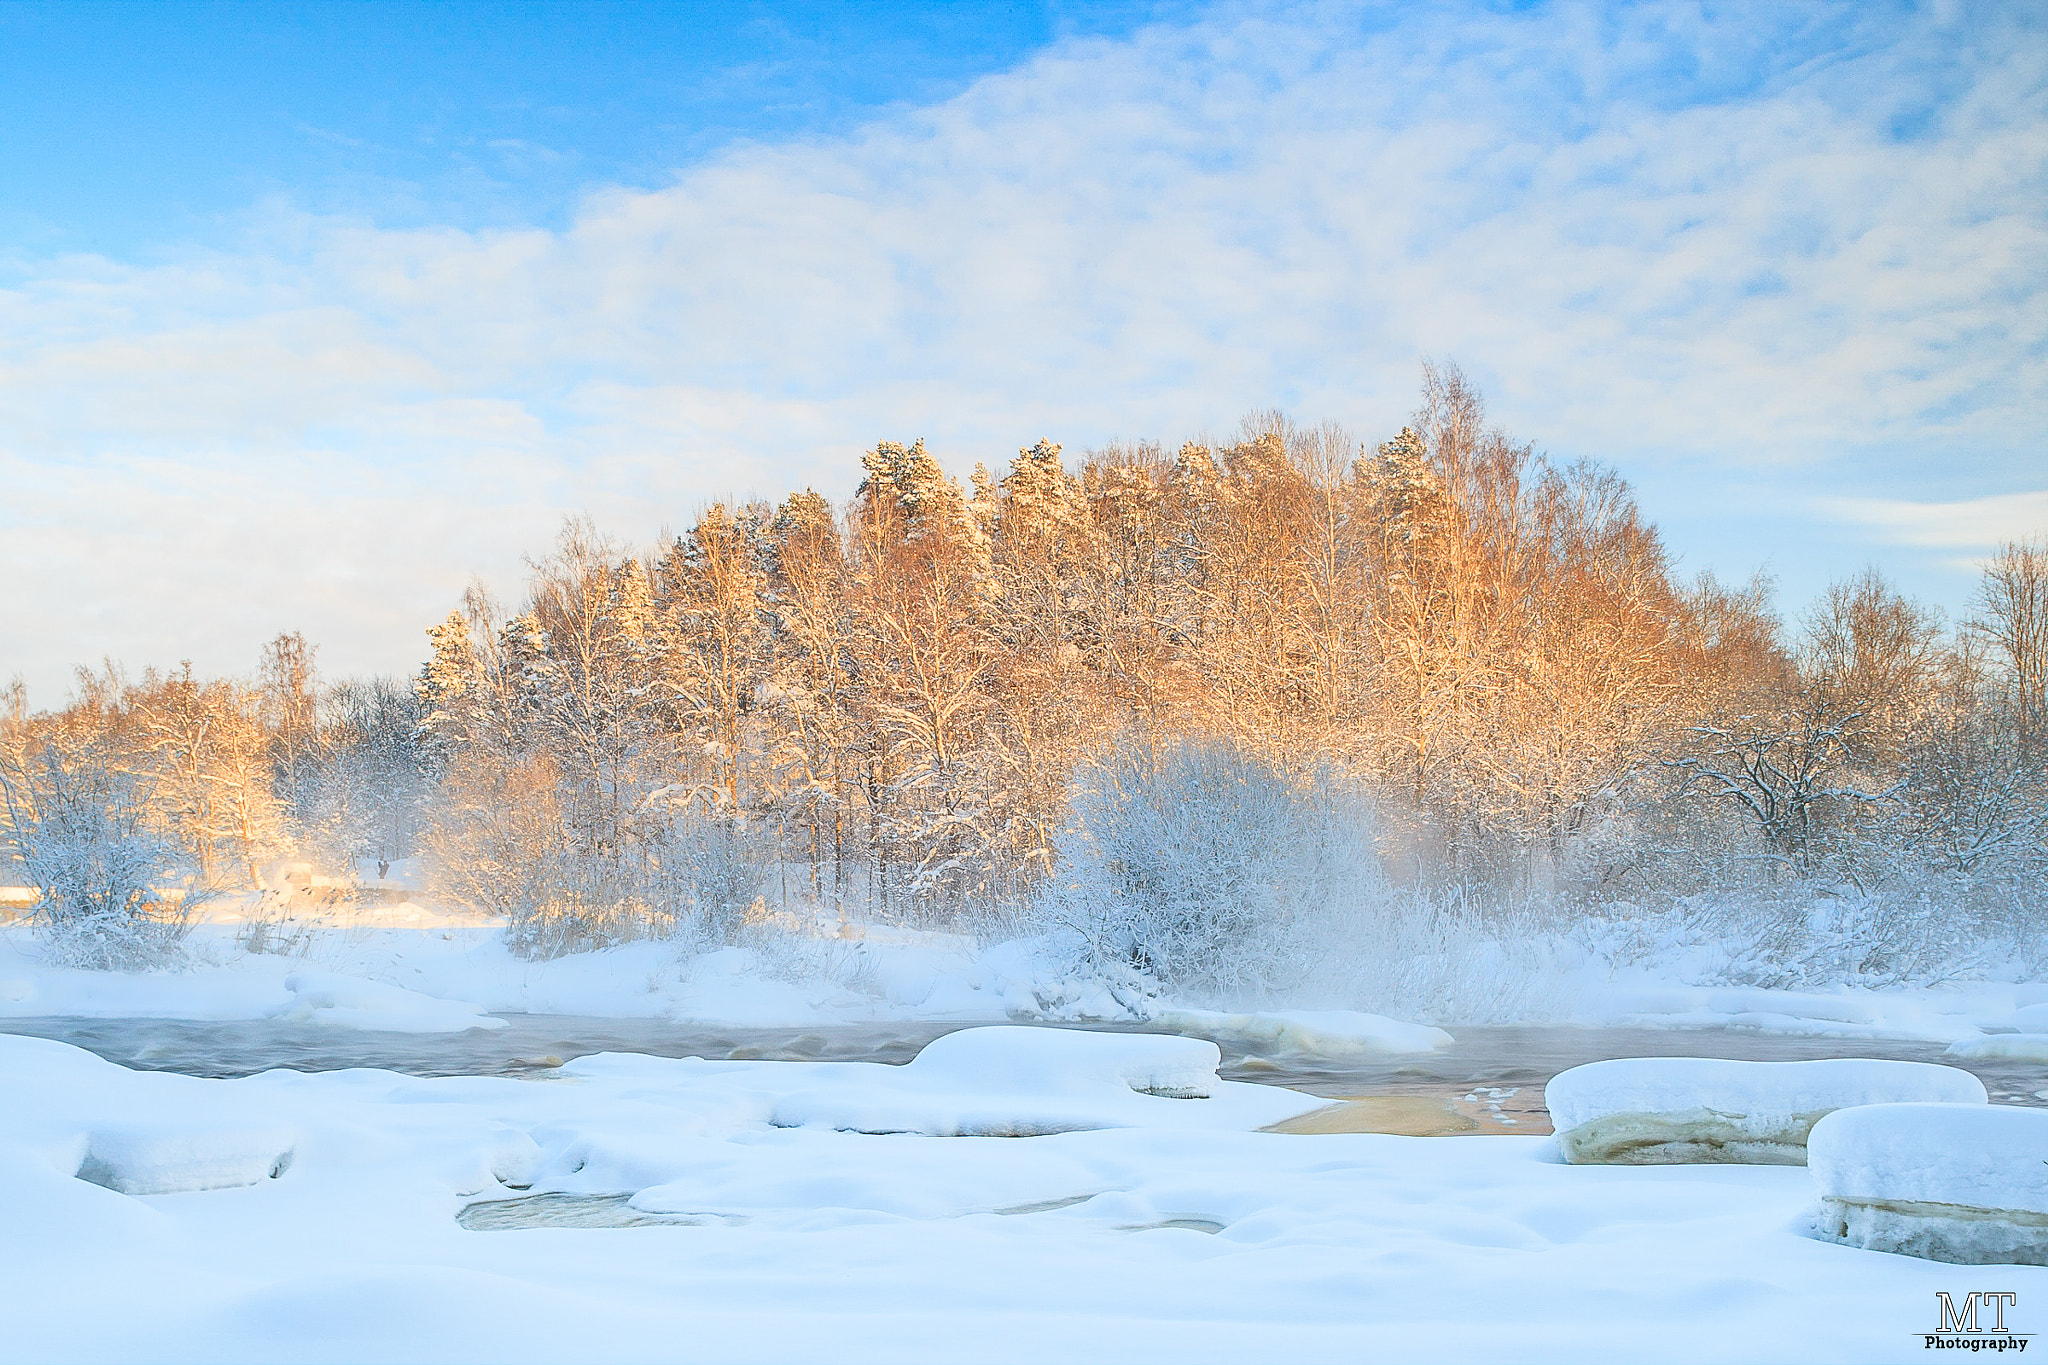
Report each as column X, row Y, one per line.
column 1199, row 866
column 706, row 874
column 79, row 829
column 507, row 844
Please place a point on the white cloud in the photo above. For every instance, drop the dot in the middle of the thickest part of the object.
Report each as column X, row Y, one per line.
column 330, row 426
column 1972, row 524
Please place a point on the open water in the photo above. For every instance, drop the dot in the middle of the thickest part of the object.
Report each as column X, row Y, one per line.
column 1495, row 1074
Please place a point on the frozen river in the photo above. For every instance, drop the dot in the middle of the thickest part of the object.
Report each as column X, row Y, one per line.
column 641, row 1209
column 1494, row 1074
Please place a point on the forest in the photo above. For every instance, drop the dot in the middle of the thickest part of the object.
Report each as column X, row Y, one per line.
column 1210, row 713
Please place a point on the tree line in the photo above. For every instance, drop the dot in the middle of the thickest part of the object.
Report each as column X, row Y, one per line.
column 887, row 706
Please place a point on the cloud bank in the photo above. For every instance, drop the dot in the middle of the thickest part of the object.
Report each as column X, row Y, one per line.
column 1774, row 249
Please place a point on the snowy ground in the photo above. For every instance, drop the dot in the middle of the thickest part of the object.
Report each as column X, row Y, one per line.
column 685, row 1209
column 1178, row 1234
column 451, row 973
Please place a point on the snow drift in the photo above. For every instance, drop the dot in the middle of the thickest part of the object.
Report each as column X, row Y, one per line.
column 1640, row 1111
column 1948, row 1182
column 1008, row 1081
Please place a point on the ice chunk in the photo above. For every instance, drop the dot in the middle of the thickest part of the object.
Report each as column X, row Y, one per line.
column 347, row 1002
column 1313, row 1033
column 1015, row 1082
column 1666, row 1110
column 159, row 1160
column 1966, row 1183
column 2006, row 1047
column 1053, row 1059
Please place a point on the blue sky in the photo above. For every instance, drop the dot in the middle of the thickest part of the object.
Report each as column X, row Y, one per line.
column 310, row 313
column 126, row 126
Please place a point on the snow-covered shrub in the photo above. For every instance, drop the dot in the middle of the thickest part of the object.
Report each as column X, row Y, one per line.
column 1199, row 866
column 79, row 829
column 571, row 900
column 706, row 873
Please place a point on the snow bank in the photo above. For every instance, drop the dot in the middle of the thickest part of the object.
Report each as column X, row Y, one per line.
column 350, row 1002
column 1920, row 1015
column 151, row 1159
column 1176, row 1239
column 204, row 992
column 1308, row 1033
column 2031, row 1018
column 1011, row 1082
column 878, row 973
column 1948, row 1182
column 1672, row 1110
column 2009, row 1047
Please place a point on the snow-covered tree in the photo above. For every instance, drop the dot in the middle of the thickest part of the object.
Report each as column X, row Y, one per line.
column 109, row 883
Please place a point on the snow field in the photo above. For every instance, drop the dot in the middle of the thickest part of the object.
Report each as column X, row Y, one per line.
column 1137, row 1243
column 1951, row 1182
column 893, row 974
column 1663, row 1110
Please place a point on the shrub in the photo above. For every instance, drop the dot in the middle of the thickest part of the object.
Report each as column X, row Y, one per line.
column 1210, row 870
column 78, row 828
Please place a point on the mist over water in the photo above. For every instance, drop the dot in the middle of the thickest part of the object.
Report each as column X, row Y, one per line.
column 1501, row 1060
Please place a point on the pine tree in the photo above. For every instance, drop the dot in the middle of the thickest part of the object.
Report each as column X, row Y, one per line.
column 449, row 688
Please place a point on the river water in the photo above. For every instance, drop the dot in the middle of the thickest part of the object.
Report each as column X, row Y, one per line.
column 1494, row 1075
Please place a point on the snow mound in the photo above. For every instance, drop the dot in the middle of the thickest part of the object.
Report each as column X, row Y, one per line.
column 349, row 1002
column 1008, row 1081
column 1308, row 1033
column 2031, row 1018
column 1051, row 1059
column 155, row 1160
column 1673, row 1110
column 1964, row 1183
column 2007, row 1047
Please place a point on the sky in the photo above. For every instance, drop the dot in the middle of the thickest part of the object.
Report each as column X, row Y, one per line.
column 311, row 314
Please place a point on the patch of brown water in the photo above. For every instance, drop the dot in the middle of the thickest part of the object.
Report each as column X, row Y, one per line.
column 1405, row 1115
column 1440, row 1113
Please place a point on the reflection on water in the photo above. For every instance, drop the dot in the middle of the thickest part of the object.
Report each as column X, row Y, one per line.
column 1494, row 1076
column 1405, row 1115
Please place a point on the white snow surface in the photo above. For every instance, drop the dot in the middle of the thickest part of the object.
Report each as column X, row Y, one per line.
column 878, row 973
column 1923, row 1014
column 1020, row 1082
column 349, row 1002
column 2031, row 1018
column 1981, row 1156
column 172, row 1158
column 1195, row 1242
column 1770, row 1095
